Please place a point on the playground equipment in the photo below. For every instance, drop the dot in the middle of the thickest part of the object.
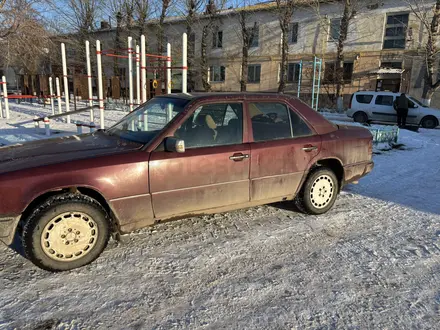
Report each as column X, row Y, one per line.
column 143, row 63
column 141, row 71
column 316, row 83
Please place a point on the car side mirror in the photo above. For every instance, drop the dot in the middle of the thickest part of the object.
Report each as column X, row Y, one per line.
column 173, row 144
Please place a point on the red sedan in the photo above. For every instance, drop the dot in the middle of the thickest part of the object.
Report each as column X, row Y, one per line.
column 175, row 156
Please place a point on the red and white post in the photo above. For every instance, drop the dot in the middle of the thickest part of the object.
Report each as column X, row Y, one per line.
column 5, row 97
column 89, row 80
column 66, row 82
column 100, row 87
column 57, row 83
column 138, row 76
column 169, row 82
column 47, row 126
column 52, row 105
column 130, row 73
column 143, row 70
column 184, row 63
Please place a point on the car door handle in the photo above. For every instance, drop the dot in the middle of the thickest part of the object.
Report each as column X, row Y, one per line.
column 309, row 148
column 238, row 157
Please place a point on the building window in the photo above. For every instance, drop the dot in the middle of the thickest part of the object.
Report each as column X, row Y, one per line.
column 348, row 72
column 254, row 35
column 254, row 72
column 293, row 72
column 217, row 39
column 395, row 31
column 217, row 73
column 331, row 73
column 335, row 28
column 293, row 33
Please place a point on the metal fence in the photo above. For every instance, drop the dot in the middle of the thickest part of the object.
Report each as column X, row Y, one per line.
column 385, row 134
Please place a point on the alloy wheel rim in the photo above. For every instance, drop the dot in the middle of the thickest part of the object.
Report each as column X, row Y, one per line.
column 322, row 191
column 69, row 236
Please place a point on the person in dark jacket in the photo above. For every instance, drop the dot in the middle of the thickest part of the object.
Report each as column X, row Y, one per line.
column 401, row 105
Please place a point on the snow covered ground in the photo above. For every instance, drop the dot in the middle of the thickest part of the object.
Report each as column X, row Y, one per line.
column 373, row 262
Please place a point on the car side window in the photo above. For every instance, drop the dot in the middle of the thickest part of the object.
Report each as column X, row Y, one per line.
column 270, row 121
column 299, row 126
column 213, row 125
column 386, row 100
column 364, row 98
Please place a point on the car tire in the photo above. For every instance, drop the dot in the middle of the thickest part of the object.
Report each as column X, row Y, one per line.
column 319, row 192
column 360, row 117
column 66, row 232
column 429, row 122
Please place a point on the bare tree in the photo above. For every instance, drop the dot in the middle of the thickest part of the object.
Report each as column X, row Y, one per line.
column 12, row 14
column 142, row 12
column 247, row 34
column 347, row 16
column 85, row 14
column 211, row 17
column 285, row 10
column 29, row 48
column 118, row 42
column 191, row 11
column 432, row 26
column 160, row 27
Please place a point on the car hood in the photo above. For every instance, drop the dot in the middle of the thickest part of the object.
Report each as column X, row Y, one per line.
column 63, row 149
column 431, row 111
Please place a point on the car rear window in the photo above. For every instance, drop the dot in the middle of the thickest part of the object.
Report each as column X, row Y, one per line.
column 364, row 98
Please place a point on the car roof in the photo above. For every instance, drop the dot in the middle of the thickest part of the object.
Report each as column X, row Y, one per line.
column 225, row 95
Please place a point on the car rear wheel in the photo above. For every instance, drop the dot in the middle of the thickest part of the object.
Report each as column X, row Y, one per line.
column 319, row 192
column 360, row 117
column 429, row 122
column 66, row 232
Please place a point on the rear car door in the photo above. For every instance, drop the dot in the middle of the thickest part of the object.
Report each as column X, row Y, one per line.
column 213, row 172
column 282, row 146
column 383, row 109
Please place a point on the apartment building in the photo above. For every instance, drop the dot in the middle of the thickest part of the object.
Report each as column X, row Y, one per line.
column 384, row 49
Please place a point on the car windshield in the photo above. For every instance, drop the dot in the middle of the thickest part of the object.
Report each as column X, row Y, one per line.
column 146, row 122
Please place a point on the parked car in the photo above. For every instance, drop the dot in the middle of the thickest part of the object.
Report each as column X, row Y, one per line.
column 369, row 106
column 176, row 156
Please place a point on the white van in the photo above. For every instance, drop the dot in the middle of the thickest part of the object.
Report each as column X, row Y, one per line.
column 369, row 106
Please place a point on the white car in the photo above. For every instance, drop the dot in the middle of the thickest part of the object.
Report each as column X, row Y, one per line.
column 368, row 106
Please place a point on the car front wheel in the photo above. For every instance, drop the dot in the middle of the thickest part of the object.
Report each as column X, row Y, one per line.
column 66, row 232
column 319, row 192
column 429, row 122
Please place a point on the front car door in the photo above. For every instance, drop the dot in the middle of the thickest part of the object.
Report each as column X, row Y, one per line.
column 414, row 115
column 282, row 146
column 212, row 173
